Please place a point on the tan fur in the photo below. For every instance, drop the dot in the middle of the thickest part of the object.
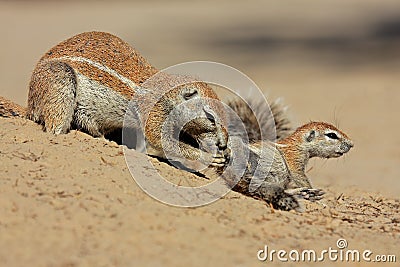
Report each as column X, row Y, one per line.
column 109, row 50
column 296, row 148
column 87, row 81
column 273, row 119
column 275, row 172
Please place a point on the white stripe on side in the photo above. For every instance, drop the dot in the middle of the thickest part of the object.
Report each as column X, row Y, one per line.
column 136, row 88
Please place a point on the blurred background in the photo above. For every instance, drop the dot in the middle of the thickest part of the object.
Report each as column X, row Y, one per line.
column 336, row 61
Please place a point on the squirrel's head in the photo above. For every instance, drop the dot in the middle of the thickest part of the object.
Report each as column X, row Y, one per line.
column 191, row 112
column 321, row 139
column 202, row 113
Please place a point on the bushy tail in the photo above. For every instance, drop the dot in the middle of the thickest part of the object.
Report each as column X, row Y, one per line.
column 10, row 109
column 273, row 123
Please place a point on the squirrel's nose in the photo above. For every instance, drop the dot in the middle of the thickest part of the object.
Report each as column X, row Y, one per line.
column 222, row 145
column 221, row 141
column 346, row 146
column 350, row 143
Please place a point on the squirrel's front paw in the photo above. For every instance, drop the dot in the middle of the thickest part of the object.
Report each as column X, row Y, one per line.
column 311, row 194
column 218, row 160
column 221, row 158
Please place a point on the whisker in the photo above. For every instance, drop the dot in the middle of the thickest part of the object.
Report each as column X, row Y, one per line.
column 336, row 117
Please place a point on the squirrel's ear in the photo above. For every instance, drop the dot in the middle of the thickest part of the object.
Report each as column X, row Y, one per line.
column 310, row 136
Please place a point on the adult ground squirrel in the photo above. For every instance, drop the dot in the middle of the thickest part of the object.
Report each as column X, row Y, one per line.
column 275, row 172
column 87, row 81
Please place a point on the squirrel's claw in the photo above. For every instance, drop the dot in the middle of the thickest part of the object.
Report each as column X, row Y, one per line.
column 311, row 194
column 218, row 161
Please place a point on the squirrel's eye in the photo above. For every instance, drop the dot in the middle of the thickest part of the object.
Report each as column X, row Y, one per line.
column 332, row 136
column 189, row 95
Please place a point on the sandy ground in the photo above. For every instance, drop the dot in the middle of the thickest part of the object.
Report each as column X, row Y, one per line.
column 71, row 201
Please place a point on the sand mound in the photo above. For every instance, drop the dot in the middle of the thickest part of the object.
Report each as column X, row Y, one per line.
column 70, row 200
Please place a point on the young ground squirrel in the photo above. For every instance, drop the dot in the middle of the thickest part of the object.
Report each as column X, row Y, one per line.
column 275, row 172
column 87, row 81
